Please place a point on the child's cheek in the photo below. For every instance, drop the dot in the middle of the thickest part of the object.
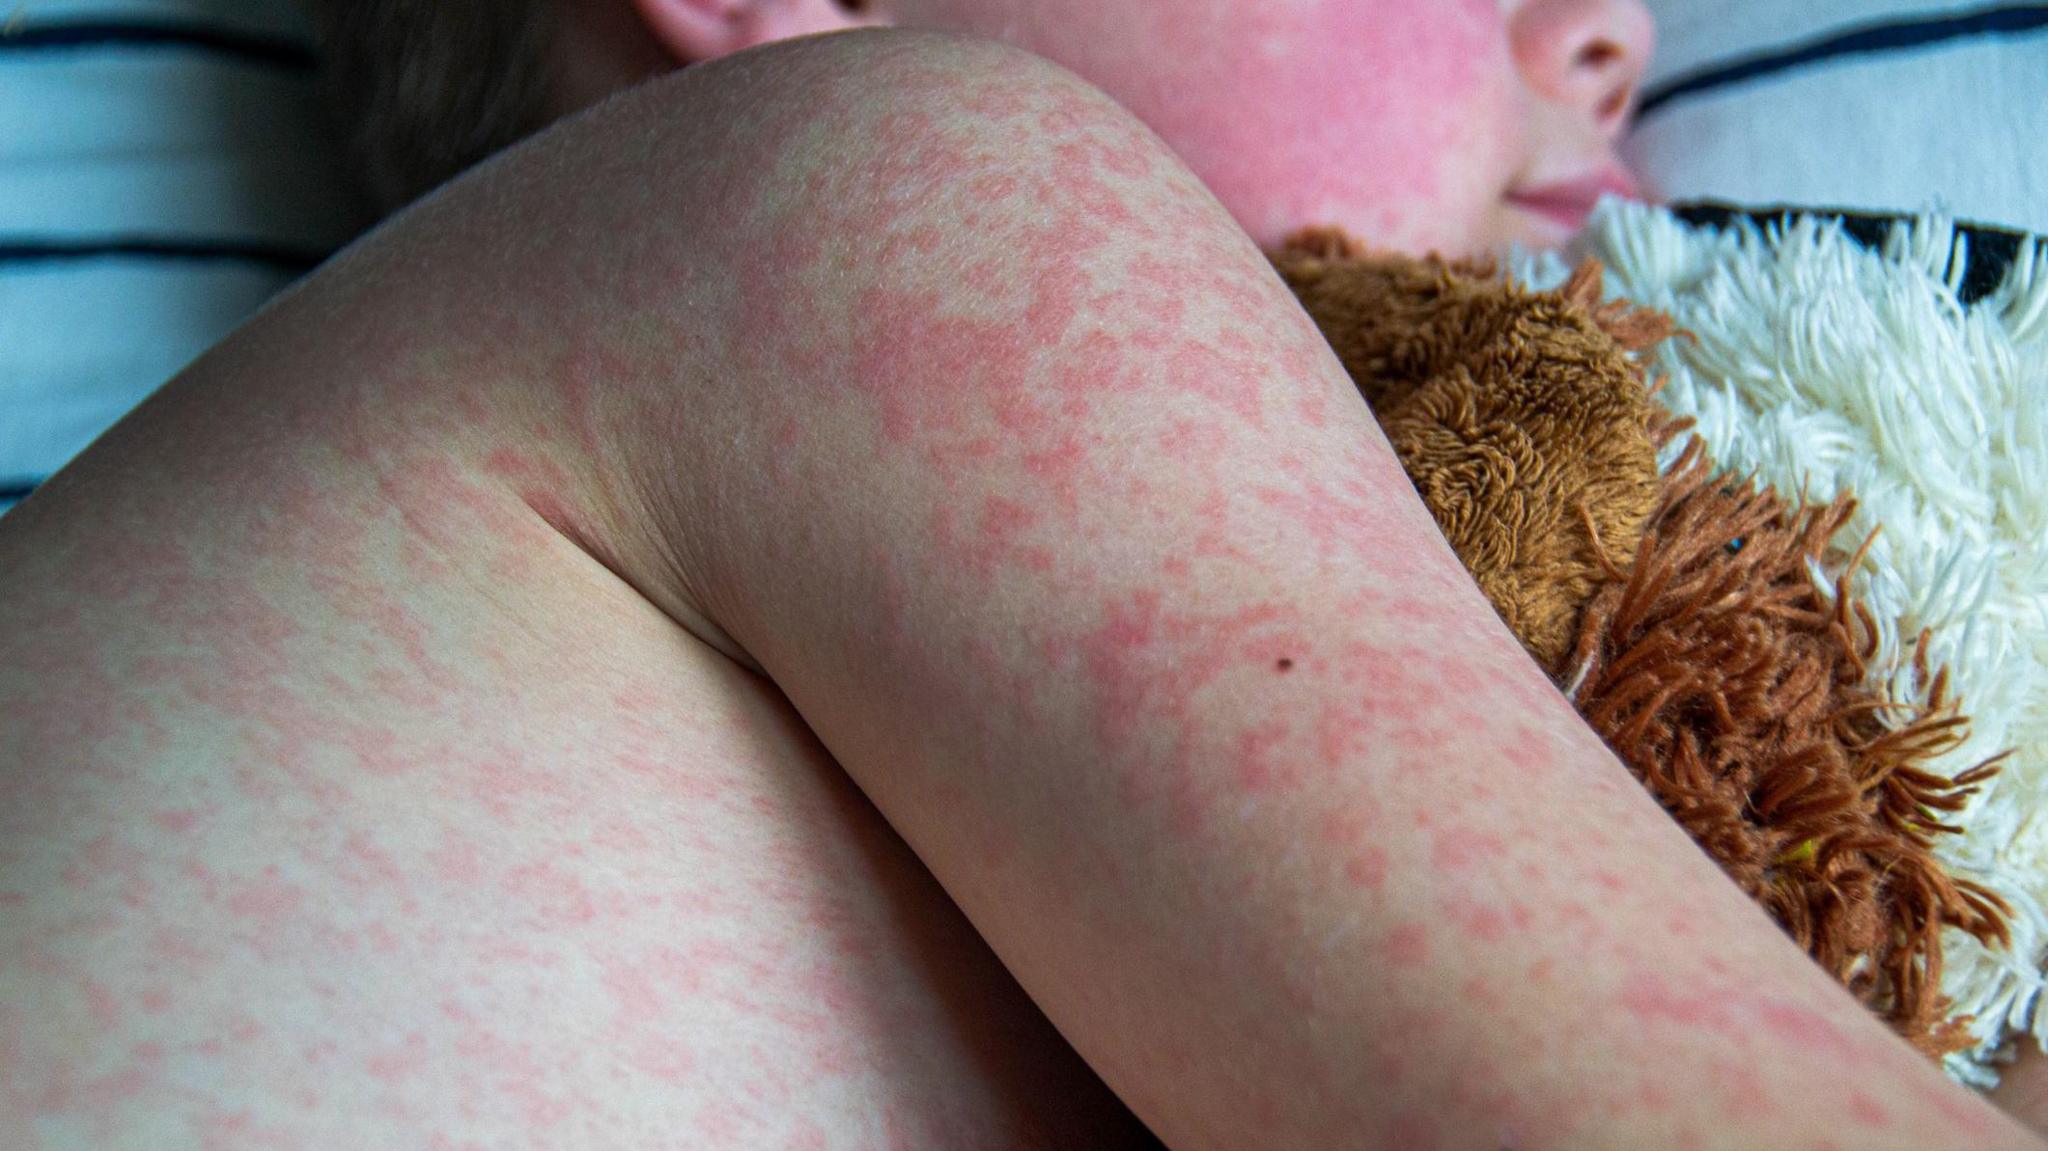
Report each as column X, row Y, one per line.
column 1388, row 116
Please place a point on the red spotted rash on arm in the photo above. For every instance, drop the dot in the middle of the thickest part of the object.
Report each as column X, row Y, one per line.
column 1195, row 676
column 920, row 559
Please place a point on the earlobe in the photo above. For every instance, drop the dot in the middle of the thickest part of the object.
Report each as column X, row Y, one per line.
column 694, row 30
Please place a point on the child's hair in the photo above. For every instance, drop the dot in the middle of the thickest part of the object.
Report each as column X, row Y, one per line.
column 425, row 90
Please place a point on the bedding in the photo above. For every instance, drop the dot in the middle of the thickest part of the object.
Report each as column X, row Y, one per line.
column 177, row 173
column 1875, row 105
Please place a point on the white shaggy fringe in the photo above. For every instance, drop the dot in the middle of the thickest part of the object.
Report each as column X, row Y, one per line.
column 1821, row 365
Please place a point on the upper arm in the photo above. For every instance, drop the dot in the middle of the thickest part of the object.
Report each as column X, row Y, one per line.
column 985, row 432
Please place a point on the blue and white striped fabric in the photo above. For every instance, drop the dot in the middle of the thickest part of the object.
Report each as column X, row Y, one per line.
column 1889, row 106
column 165, row 167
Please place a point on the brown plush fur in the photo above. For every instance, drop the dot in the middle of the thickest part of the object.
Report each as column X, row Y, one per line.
column 1677, row 608
column 1733, row 689
column 1518, row 416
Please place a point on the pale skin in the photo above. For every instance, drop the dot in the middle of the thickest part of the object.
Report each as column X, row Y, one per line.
column 760, row 620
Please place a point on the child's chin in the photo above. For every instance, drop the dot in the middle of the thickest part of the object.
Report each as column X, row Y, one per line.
column 1540, row 229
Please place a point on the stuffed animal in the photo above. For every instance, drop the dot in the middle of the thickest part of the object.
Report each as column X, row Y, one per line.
column 1675, row 607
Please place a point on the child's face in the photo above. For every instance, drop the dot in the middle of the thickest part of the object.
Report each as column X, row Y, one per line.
column 1454, row 125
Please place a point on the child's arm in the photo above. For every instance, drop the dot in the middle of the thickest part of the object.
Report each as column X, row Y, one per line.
column 1020, row 474
column 915, row 374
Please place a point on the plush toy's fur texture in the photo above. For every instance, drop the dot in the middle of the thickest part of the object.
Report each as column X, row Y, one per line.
column 1512, row 411
column 1735, row 691
column 1886, row 366
column 1677, row 608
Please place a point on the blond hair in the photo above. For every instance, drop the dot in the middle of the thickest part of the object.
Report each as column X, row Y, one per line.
column 426, row 88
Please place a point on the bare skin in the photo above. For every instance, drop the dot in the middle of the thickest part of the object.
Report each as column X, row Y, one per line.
column 559, row 678
column 2022, row 1090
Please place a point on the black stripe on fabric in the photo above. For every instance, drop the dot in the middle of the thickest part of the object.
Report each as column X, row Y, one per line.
column 11, row 493
column 21, row 250
column 2008, row 20
column 1989, row 259
column 248, row 47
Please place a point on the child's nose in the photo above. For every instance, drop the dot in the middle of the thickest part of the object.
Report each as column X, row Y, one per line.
column 1585, row 54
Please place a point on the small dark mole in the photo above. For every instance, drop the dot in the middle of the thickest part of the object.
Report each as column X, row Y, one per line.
column 1284, row 664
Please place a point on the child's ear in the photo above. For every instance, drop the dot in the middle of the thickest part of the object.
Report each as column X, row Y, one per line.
column 694, row 30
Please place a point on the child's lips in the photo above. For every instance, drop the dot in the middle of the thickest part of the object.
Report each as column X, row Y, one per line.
column 1570, row 202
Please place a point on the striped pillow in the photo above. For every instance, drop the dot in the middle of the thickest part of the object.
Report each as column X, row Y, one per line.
column 1876, row 105
column 165, row 168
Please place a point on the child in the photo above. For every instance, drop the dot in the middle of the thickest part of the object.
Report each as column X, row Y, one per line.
column 1456, row 127
column 560, row 676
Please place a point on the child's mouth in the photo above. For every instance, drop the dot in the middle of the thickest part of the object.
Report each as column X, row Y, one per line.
column 1568, row 203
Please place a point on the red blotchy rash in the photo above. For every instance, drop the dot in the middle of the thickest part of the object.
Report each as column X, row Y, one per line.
column 402, row 1062
column 1002, row 525
column 503, row 780
column 1458, row 848
column 1257, row 771
column 1231, row 381
column 1407, row 945
column 1458, row 676
column 557, row 900
column 1481, row 990
column 526, row 468
column 1653, row 1097
column 108, row 861
column 1343, row 828
column 445, row 510
column 1477, row 920
column 1741, row 1086
column 1344, row 525
column 1649, row 998
column 177, row 822
column 1968, row 1116
column 1217, row 537
column 1102, row 203
column 1060, row 468
column 1411, row 1131
column 640, row 991
column 1156, row 291
column 1529, row 752
column 585, row 373
column 105, row 1008
column 1809, row 1029
column 1742, row 1019
column 1367, row 868
column 1867, row 1111
column 267, row 900
column 456, row 862
column 1146, row 668
column 368, row 866
column 922, row 367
